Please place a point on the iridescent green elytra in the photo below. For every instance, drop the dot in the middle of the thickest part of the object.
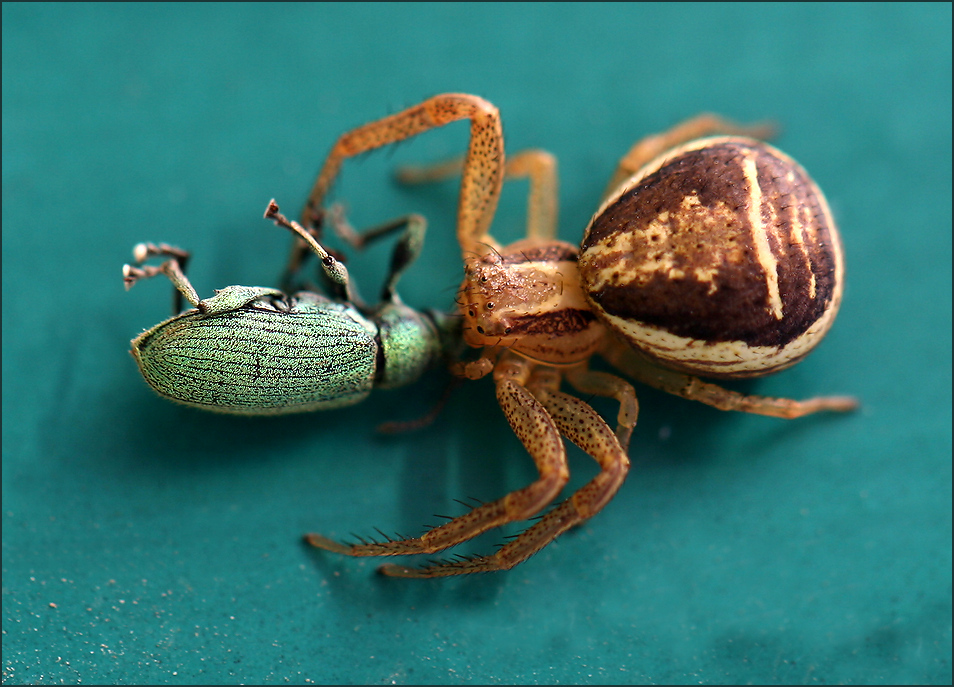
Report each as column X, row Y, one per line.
column 258, row 351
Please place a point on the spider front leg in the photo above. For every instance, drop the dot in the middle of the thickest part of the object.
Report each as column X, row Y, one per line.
column 539, row 434
column 582, row 425
column 483, row 167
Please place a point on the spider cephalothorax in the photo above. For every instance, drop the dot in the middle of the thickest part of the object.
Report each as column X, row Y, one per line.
column 528, row 299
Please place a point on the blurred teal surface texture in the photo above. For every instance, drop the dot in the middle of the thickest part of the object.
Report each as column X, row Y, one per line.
column 146, row 542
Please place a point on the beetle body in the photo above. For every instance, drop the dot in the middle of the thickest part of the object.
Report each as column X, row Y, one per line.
column 250, row 350
column 274, row 355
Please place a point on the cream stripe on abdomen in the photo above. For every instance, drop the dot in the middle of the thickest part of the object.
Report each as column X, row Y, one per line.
column 759, row 236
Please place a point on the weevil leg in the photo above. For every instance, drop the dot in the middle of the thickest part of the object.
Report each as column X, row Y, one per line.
column 538, row 433
column 143, row 251
column 407, row 249
column 588, row 381
column 701, row 125
column 483, row 167
column 173, row 268
column 687, row 386
column 334, row 270
column 400, row 426
column 582, row 425
column 539, row 166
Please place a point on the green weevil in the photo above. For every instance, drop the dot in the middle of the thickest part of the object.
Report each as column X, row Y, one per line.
column 261, row 351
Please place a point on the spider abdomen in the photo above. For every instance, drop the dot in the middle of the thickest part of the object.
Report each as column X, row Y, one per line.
column 719, row 258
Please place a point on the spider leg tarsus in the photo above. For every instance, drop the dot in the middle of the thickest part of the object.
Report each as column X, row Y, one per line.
column 321, row 542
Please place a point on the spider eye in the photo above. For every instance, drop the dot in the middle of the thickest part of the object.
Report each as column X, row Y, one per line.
column 490, row 306
column 480, row 330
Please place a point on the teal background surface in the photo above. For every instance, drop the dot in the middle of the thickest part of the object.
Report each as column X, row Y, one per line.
column 149, row 543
